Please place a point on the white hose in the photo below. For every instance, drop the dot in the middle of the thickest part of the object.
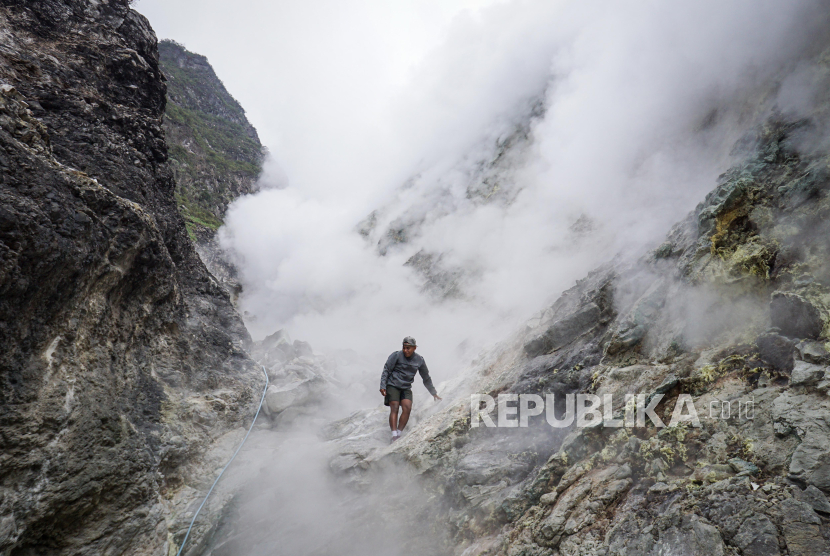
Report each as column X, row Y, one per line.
column 192, row 521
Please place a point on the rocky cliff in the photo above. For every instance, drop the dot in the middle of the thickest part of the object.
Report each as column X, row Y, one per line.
column 124, row 375
column 215, row 153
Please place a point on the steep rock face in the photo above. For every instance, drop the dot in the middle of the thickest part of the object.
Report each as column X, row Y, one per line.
column 215, row 152
column 122, row 358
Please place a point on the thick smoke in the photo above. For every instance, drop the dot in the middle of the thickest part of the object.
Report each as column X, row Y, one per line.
column 538, row 140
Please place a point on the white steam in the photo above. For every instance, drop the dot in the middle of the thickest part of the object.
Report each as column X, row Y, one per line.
column 641, row 101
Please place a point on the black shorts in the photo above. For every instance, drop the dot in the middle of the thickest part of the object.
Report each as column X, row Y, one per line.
column 396, row 395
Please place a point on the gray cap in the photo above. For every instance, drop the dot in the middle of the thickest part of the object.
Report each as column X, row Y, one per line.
column 409, row 340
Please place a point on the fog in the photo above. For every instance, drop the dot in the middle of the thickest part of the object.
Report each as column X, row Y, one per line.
column 446, row 170
column 600, row 124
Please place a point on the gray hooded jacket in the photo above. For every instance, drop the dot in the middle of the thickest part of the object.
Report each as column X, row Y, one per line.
column 400, row 372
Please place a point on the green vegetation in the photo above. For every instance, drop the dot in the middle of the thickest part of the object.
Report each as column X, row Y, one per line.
column 225, row 144
column 215, row 152
column 194, row 214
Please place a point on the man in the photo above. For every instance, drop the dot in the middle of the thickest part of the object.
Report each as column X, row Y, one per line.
column 396, row 384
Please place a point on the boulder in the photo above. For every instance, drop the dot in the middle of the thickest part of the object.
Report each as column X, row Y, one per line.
column 776, row 350
column 692, row 537
column 742, row 467
column 815, row 498
column 302, row 349
column 806, row 417
column 802, row 529
column 281, row 397
column 275, row 339
column 549, row 498
column 811, row 460
column 757, row 537
column 813, row 352
column 713, row 473
column 795, row 316
column 275, row 349
column 807, row 374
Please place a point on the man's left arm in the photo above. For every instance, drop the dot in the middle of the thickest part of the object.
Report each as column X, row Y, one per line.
column 428, row 380
column 387, row 370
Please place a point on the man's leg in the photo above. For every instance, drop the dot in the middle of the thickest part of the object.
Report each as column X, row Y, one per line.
column 393, row 415
column 406, row 408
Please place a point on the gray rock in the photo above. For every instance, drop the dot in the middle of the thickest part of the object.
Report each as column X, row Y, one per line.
column 757, row 537
column 743, row 467
column 277, row 338
column 714, row 473
column 549, row 498
column 813, row 352
column 623, row 472
column 668, row 383
column 281, row 397
column 815, row 498
column 692, row 537
column 630, row 538
column 802, row 529
column 659, row 487
column 564, row 330
column 627, row 336
column 776, row 350
column 795, row 316
column 7, row 530
column 276, row 348
column 550, row 530
column 101, row 287
column 303, row 349
column 632, row 328
column 489, row 466
column 796, row 191
column 807, row 374
column 811, row 461
column 722, row 198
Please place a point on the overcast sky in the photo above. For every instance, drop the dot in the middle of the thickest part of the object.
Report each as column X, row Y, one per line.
column 312, row 75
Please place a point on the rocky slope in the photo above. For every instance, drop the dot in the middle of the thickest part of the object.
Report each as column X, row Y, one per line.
column 733, row 307
column 732, row 310
column 124, row 375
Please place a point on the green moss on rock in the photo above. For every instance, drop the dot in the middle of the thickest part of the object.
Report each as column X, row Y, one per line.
column 215, row 153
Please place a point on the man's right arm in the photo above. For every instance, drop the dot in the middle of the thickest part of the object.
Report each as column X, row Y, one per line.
column 387, row 369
